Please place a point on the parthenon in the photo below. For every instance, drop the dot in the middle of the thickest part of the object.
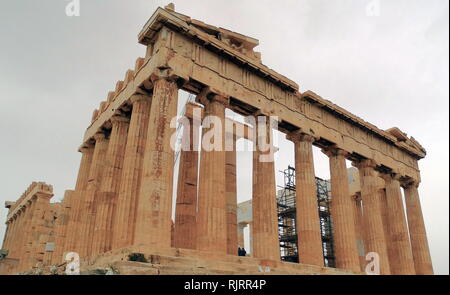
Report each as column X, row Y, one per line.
column 120, row 212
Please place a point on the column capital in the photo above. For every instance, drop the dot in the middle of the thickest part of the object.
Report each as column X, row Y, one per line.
column 366, row 163
column 99, row 136
column 390, row 176
column 208, row 95
column 168, row 75
column 138, row 97
column 86, row 147
column 300, row 135
column 409, row 183
column 334, row 151
column 119, row 119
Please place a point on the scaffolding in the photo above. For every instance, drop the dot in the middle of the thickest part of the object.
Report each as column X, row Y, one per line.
column 287, row 215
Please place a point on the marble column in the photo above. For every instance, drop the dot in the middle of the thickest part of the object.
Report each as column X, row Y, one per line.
column 401, row 261
column 212, row 215
column 41, row 203
column 88, row 205
column 241, row 239
column 154, row 212
column 417, row 231
column 125, row 218
column 344, row 232
column 307, row 215
column 61, row 227
column 27, row 232
column 385, row 218
column 12, row 235
column 7, row 234
column 374, row 238
column 231, row 195
column 77, row 204
column 87, row 152
column 185, row 233
column 357, row 210
column 266, row 243
column 109, row 187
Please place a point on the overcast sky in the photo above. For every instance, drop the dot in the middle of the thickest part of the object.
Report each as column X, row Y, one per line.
column 388, row 65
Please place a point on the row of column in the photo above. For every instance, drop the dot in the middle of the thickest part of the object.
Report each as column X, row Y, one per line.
column 123, row 169
column 125, row 188
column 25, row 230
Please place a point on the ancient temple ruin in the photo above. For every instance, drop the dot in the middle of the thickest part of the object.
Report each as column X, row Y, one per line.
column 121, row 206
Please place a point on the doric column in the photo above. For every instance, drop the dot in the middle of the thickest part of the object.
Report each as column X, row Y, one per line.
column 241, row 239
column 12, row 235
column 185, row 232
column 7, row 234
column 153, row 226
column 125, row 218
column 23, row 218
column 357, row 210
column 109, row 187
column 28, row 230
column 374, row 237
column 250, row 237
column 307, row 215
column 344, row 233
column 401, row 259
column 264, row 204
column 39, row 204
column 74, row 225
column 61, row 227
column 417, row 231
column 231, row 195
column 21, row 234
column 385, row 218
column 88, row 205
column 87, row 152
column 212, row 216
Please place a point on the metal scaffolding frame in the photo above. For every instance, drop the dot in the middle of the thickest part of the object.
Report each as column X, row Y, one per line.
column 287, row 215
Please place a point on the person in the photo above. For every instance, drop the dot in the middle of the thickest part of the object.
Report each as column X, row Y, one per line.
column 244, row 253
column 239, row 251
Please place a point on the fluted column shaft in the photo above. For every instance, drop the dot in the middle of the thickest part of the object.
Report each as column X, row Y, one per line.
column 12, row 235
column 74, row 225
column 401, row 261
column 357, row 210
column 385, row 218
column 241, row 239
column 264, row 205
column 185, row 233
column 87, row 152
column 23, row 241
column 109, row 187
column 344, row 232
column 374, row 238
column 6, row 236
column 153, row 226
column 307, row 215
column 39, row 206
column 88, row 205
column 231, row 195
column 212, row 216
column 417, row 232
column 61, row 227
column 28, row 229
column 125, row 218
